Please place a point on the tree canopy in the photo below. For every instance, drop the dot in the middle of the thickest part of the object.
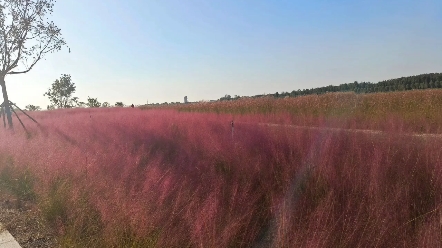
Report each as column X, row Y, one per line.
column 26, row 36
column 418, row 82
column 31, row 107
column 60, row 93
column 93, row 102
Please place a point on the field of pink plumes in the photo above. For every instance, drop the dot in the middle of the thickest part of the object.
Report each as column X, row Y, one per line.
column 123, row 177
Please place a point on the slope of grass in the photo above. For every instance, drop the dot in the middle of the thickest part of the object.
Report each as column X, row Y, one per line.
column 410, row 111
column 160, row 178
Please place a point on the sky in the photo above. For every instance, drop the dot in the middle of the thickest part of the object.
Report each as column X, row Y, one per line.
column 139, row 51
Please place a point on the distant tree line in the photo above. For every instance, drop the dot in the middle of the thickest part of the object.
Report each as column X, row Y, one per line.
column 228, row 97
column 61, row 92
column 61, row 96
column 419, row 82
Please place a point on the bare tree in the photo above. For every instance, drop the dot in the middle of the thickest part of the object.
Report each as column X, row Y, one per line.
column 26, row 36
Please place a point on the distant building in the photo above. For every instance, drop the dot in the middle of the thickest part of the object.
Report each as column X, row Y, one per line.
column 185, row 99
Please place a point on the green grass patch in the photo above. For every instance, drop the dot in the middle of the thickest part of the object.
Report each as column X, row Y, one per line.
column 18, row 181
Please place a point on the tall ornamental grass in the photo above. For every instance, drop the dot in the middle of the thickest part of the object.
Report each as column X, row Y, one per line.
column 160, row 178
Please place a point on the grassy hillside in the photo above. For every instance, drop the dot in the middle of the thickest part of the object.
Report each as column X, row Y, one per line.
column 410, row 111
column 169, row 178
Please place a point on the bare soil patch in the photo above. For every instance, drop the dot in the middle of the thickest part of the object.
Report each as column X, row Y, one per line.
column 24, row 221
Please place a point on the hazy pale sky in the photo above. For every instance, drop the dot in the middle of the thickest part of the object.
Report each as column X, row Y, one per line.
column 138, row 50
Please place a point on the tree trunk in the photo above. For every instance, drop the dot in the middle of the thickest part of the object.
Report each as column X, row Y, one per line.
column 6, row 102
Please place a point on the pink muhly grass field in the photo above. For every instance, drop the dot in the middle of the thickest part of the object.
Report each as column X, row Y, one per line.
column 123, row 177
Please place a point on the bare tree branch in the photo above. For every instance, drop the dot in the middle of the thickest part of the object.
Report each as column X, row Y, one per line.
column 35, row 61
column 27, row 36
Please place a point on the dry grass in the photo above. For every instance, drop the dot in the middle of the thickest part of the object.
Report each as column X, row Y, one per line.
column 410, row 111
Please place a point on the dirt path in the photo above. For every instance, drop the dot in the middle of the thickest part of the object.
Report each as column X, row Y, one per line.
column 24, row 222
column 367, row 131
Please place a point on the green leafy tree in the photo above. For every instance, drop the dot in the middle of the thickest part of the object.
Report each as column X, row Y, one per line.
column 31, row 107
column 105, row 105
column 226, row 98
column 93, row 102
column 81, row 104
column 119, row 104
column 60, row 93
column 26, row 36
